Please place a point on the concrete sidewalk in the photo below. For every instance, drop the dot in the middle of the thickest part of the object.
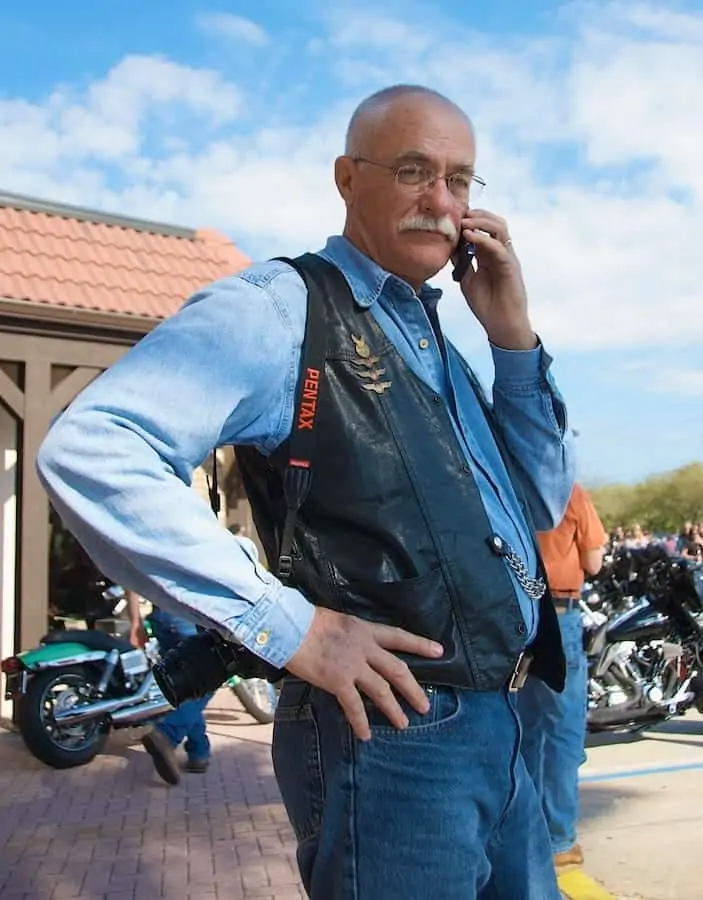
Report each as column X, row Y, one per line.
column 642, row 811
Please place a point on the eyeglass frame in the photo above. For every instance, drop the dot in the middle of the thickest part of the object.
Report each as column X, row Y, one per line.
column 421, row 163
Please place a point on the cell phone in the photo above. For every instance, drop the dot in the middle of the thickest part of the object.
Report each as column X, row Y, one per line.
column 465, row 253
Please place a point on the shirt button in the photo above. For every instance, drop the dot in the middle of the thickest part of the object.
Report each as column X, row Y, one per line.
column 262, row 638
column 423, row 343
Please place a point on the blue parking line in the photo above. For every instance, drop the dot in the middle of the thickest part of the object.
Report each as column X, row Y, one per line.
column 638, row 773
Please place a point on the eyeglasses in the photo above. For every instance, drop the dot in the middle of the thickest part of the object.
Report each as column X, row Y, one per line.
column 420, row 177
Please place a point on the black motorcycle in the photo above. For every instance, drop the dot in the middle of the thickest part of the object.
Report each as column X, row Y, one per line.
column 645, row 665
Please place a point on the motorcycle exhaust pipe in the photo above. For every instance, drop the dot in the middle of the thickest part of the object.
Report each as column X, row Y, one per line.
column 104, row 707
column 133, row 715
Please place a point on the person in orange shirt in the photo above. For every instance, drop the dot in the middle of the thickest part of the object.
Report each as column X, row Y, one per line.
column 554, row 725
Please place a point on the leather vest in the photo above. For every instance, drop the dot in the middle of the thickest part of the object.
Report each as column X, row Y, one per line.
column 393, row 529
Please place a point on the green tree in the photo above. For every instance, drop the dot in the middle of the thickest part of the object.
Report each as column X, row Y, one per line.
column 659, row 503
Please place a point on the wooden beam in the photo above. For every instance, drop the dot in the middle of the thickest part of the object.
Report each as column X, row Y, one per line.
column 34, row 514
column 60, row 351
column 11, row 395
column 72, row 385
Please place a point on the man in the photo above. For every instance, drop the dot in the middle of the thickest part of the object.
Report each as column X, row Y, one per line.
column 187, row 723
column 555, row 724
column 417, row 582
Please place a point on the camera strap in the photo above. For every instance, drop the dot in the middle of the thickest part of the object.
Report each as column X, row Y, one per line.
column 297, row 476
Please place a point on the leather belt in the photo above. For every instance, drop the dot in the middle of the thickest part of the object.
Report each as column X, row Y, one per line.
column 564, row 604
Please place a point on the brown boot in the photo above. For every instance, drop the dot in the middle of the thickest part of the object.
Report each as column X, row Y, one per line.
column 163, row 755
column 571, row 857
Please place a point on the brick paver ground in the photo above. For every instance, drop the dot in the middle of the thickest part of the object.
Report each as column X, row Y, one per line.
column 113, row 830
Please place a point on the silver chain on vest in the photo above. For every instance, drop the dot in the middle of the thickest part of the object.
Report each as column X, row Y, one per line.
column 533, row 587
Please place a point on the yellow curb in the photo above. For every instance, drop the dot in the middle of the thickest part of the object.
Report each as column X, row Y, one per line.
column 576, row 885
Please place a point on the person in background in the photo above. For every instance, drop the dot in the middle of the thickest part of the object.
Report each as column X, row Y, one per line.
column 554, row 725
column 185, row 724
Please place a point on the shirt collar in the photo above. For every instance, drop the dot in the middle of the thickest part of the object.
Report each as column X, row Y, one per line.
column 367, row 279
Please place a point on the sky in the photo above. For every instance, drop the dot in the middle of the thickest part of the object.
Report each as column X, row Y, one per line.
column 589, row 122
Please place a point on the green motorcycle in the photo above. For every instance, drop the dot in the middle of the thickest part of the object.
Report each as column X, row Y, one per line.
column 78, row 685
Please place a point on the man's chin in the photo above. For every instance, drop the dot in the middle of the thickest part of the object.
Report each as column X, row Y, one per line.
column 434, row 255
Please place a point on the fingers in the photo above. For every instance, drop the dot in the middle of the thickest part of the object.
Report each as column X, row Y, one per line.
column 379, row 691
column 391, row 638
column 482, row 220
column 488, row 231
column 395, row 672
column 499, row 250
column 353, row 707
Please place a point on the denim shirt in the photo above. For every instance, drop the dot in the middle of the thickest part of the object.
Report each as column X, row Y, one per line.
column 117, row 464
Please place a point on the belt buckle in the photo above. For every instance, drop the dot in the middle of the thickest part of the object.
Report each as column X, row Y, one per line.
column 520, row 672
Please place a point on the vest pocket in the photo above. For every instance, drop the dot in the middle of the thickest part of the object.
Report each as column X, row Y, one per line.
column 420, row 604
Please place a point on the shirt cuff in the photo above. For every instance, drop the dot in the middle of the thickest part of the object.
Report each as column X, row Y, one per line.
column 520, row 368
column 276, row 625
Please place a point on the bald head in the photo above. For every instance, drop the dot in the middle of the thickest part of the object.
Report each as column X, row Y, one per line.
column 406, row 178
column 370, row 116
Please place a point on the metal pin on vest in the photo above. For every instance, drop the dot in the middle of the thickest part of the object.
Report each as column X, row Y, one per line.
column 368, row 361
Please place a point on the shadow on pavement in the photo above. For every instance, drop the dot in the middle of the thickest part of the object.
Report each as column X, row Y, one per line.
column 598, row 800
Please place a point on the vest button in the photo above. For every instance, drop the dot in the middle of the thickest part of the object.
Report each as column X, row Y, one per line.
column 521, row 629
column 466, row 468
column 436, row 399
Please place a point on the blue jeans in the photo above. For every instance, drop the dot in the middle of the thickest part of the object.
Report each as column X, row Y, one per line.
column 554, row 733
column 187, row 722
column 443, row 809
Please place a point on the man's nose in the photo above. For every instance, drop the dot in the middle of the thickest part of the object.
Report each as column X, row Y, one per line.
column 437, row 199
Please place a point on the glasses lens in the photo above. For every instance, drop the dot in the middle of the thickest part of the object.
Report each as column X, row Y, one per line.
column 413, row 175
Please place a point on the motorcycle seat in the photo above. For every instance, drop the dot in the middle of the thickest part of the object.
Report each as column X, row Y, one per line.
column 93, row 640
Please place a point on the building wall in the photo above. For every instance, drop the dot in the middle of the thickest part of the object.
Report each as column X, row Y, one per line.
column 8, row 539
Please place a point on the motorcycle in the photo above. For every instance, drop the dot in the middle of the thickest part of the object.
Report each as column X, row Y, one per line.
column 77, row 685
column 645, row 665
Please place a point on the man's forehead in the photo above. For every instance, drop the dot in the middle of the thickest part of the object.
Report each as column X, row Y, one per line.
column 425, row 126
column 457, row 160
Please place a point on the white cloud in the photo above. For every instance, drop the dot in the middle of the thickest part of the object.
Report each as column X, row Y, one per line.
column 589, row 142
column 377, row 32
column 679, row 382
column 232, row 27
column 107, row 121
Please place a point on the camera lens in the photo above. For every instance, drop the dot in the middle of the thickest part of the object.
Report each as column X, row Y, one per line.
column 201, row 664
column 191, row 670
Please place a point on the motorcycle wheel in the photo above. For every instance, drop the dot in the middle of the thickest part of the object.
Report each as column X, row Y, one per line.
column 61, row 747
column 258, row 697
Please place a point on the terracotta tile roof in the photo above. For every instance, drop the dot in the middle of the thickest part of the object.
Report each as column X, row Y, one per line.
column 67, row 256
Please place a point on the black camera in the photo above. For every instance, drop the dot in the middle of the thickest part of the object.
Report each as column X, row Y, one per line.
column 201, row 664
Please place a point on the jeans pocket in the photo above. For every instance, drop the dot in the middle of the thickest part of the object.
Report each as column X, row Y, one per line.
column 445, row 706
column 297, row 763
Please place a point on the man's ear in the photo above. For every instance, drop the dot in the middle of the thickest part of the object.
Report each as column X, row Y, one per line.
column 344, row 173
